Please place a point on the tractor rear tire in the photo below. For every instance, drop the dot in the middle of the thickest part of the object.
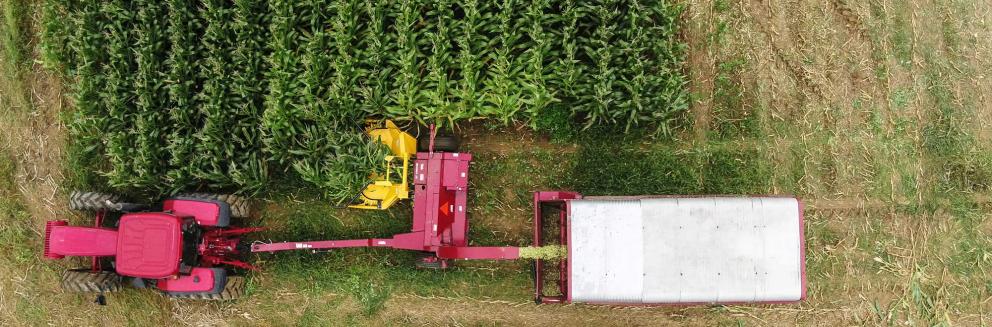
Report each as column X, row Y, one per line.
column 84, row 280
column 240, row 207
column 442, row 143
column 233, row 290
column 94, row 201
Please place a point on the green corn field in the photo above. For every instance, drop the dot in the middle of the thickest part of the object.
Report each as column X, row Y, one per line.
column 221, row 94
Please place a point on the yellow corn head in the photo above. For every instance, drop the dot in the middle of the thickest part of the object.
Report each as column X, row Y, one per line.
column 384, row 191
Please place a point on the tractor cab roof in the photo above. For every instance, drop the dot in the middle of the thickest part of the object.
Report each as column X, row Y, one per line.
column 149, row 245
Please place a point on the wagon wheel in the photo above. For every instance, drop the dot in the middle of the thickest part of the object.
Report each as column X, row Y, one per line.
column 233, row 290
column 442, row 143
column 429, row 261
column 84, row 280
column 240, row 207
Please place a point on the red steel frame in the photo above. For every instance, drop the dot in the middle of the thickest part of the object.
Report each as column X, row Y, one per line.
column 95, row 264
column 557, row 199
column 220, row 247
column 439, row 221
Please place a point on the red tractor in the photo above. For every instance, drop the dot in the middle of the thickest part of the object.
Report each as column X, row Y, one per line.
column 186, row 248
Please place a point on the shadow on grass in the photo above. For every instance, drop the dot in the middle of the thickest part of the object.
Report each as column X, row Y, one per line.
column 627, row 166
column 371, row 275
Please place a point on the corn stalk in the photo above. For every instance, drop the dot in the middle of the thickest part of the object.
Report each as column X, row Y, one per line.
column 599, row 90
column 117, row 95
column 536, row 75
column 375, row 46
column 86, row 43
column 56, row 33
column 247, row 168
column 437, row 85
column 504, row 97
column 407, row 94
column 214, row 147
column 150, row 94
column 281, row 118
column 183, row 83
column 666, row 80
column 473, row 50
column 344, row 92
column 568, row 69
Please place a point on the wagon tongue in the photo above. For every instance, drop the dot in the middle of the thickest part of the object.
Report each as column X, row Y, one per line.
column 400, row 241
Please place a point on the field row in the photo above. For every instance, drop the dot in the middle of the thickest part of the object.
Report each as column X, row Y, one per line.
column 223, row 94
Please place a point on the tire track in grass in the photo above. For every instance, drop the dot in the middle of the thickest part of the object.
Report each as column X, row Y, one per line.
column 782, row 56
column 701, row 64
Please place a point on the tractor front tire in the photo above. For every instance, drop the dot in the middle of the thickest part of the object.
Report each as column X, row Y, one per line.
column 240, row 207
column 94, row 201
column 84, row 280
column 233, row 290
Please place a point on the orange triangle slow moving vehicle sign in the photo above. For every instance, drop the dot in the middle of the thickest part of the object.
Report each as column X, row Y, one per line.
column 444, row 208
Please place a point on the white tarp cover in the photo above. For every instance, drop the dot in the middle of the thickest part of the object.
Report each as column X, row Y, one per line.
column 686, row 250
